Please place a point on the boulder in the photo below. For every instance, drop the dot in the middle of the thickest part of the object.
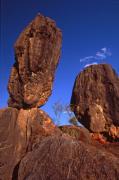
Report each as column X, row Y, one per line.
column 32, row 147
column 63, row 157
column 37, row 52
column 20, row 131
column 95, row 98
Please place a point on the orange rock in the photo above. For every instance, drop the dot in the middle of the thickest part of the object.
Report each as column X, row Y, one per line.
column 37, row 52
column 98, row 137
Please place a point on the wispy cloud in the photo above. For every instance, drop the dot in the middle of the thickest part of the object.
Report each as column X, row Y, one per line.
column 86, row 58
column 99, row 56
column 103, row 53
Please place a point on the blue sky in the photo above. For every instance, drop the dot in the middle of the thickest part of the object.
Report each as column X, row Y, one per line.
column 87, row 27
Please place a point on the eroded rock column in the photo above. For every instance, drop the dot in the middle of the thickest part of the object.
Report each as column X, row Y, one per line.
column 37, row 53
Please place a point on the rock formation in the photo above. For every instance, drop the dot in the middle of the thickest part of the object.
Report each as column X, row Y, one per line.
column 20, row 131
column 62, row 157
column 37, row 52
column 95, row 99
column 31, row 146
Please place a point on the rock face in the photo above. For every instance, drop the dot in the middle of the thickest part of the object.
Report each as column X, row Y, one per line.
column 20, row 131
column 62, row 157
column 32, row 147
column 37, row 52
column 95, row 98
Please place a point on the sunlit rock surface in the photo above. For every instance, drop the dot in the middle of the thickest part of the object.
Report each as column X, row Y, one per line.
column 63, row 157
column 37, row 52
column 20, row 131
column 32, row 147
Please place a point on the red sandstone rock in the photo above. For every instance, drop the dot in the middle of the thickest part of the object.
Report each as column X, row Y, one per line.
column 20, row 131
column 37, row 52
column 31, row 147
column 95, row 98
column 63, row 157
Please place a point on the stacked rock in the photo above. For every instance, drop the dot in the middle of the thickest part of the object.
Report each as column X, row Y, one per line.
column 37, row 52
column 31, row 146
column 23, row 125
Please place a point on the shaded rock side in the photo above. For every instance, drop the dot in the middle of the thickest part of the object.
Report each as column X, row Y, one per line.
column 37, row 52
column 20, row 131
column 62, row 157
column 95, row 98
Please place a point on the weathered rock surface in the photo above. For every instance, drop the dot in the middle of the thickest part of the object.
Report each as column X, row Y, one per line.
column 95, row 99
column 63, row 157
column 76, row 132
column 32, row 147
column 20, row 131
column 37, row 52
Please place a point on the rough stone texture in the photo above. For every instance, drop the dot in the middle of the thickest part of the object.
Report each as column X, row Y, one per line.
column 37, row 52
column 95, row 98
column 8, row 156
column 76, row 132
column 32, row 147
column 62, row 157
column 20, row 131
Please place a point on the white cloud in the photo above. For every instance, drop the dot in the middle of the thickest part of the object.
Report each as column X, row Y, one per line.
column 86, row 58
column 99, row 56
column 104, row 49
column 104, row 53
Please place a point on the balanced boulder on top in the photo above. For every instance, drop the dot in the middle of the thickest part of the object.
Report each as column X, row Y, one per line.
column 37, row 52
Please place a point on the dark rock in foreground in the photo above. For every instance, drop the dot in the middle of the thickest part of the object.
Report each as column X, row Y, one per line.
column 95, row 99
column 32, row 147
column 20, row 131
column 62, row 157
column 37, row 52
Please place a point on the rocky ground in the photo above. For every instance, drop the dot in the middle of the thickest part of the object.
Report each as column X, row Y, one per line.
column 32, row 147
